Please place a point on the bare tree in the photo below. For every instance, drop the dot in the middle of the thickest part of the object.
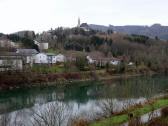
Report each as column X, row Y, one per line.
column 5, row 120
column 18, row 118
column 148, row 95
column 135, row 122
column 107, row 107
column 54, row 114
column 127, row 104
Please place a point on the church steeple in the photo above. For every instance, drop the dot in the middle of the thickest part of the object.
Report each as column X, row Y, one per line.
column 78, row 22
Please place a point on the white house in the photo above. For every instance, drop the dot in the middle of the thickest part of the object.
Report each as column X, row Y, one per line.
column 41, row 58
column 52, row 58
column 60, row 58
column 45, row 58
column 102, row 60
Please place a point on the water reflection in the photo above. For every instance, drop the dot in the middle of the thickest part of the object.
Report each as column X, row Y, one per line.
column 84, row 99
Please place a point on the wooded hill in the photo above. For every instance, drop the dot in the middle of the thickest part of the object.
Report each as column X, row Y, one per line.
column 142, row 50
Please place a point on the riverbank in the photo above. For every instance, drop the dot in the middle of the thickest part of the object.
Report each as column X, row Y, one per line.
column 13, row 80
column 160, row 121
column 86, row 97
column 135, row 111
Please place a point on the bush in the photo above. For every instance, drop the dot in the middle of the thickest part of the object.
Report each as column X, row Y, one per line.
column 135, row 122
column 81, row 63
column 80, row 122
column 164, row 112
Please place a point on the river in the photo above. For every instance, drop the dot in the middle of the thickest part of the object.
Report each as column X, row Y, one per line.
column 32, row 106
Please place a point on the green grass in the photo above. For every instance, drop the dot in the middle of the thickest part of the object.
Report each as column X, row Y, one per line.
column 119, row 119
column 113, row 120
column 147, row 108
column 52, row 51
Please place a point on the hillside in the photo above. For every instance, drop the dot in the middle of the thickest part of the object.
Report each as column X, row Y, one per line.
column 151, row 31
column 140, row 49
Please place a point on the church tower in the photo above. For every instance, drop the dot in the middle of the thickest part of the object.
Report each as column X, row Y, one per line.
column 78, row 23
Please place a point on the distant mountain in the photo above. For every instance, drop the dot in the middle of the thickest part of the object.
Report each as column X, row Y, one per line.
column 152, row 31
column 99, row 27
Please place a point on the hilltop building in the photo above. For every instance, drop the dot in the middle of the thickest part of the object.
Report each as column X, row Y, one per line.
column 83, row 26
column 78, row 23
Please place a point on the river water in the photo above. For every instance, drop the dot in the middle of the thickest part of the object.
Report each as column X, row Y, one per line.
column 59, row 105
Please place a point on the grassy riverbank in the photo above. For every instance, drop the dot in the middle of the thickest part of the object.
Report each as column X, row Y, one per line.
column 11, row 80
column 162, row 121
column 137, row 111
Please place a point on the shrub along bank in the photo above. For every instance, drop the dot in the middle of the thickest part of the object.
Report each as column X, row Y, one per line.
column 137, row 111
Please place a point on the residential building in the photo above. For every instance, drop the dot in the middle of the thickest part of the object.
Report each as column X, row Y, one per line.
column 60, row 58
column 52, row 58
column 85, row 27
column 10, row 61
column 99, row 59
column 27, row 55
column 40, row 58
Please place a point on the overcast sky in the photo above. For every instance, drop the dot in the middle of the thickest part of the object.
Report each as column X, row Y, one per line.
column 42, row 15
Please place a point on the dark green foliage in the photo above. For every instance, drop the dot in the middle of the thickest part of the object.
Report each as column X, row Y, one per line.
column 97, row 41
column 137, row 38
column 81, row 63
column 14, row 37
column 164, row 112
column 122, row 67
column 28, row 43
column 73, row 46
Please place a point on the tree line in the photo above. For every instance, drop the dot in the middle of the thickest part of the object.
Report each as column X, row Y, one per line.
column 142, row 50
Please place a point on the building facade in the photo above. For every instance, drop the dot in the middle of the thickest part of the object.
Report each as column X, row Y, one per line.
column 41, row 58
column 10, row 61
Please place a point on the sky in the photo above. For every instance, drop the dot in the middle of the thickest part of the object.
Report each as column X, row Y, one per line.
column 41, row 15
